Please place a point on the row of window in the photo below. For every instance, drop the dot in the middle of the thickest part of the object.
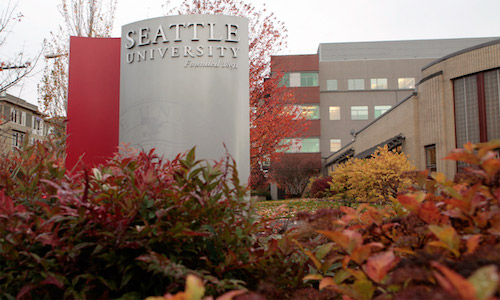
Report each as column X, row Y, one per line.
column 310, row 145
column 311, row 112
column 308, row 79
column 375, row 84
column 302, row 79
column 18, row 139
column 19, row 117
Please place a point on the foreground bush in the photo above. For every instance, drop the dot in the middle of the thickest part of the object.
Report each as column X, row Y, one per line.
column 376, row 179
column 131, row 228
column 440, row 241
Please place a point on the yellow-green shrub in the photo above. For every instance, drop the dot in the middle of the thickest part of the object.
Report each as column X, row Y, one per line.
column 374, row 179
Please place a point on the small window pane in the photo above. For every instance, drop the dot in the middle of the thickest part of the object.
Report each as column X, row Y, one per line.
column 306, row 145
column 335, row 145
column 294, row 79
column 309, row 79
column 492, row 101
column 359, row 112
column 285, row 80
column 380, row 109
column 310, row 145
column 378, row 83
column 356, row 84
column 311, row 112
column 334, row 112
column 406, row 83
column 331, row 84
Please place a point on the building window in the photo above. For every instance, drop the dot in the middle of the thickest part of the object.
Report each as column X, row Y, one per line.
column 359, row 112
column 334, row 112
column 23, row 118
column 492, row 103
column 290, row 79
column 381, row 109
column 285, row 80
column 356, row 84
column 378, row 83
column 311, row 112
column 303, row 145
column 309, row 79
column 331, row 85
column 37, row 123
column 15, row 116
column 477, row 107
column 310, row 145
column 406, row 83
column 335, row 145
column 17, row 139
column 296, row 79
column 430, row 157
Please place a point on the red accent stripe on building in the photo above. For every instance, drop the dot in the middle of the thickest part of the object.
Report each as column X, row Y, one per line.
column 483, row 127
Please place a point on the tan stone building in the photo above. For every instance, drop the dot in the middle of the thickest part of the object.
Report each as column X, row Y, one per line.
column 20, row 123
column 456, row 100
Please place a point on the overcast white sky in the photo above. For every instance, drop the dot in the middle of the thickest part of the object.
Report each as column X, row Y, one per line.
column 309, row 23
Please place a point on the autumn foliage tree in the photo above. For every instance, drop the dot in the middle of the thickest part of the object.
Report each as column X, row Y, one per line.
column 87, row 18
column 273, row 116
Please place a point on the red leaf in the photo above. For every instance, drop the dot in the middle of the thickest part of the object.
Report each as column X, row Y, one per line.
column 194, row 233
column 430, row 214
column 54, row 281
column 473, row 243
column 409, row 201
column 378, row 265
column 454, row 283
column 24, row 291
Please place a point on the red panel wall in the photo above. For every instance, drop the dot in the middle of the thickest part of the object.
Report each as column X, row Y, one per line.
column 314, row 129
column 306, row 94
column 295, row 63
column 93, row 100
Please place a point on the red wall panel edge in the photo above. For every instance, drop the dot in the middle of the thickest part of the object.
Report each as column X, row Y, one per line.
column 93, row 100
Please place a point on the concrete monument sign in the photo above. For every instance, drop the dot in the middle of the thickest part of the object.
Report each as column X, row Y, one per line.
column 184, row 83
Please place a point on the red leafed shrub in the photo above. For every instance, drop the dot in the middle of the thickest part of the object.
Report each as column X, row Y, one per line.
column 441, row 240
column 133, row 227
column 320, row 187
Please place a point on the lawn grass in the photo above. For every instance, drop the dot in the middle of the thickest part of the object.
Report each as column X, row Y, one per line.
column 289, row 208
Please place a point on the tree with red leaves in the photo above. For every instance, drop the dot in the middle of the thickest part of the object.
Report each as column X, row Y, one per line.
column 274, row 115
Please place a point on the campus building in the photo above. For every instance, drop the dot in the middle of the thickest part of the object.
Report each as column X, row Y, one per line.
column 20, row 123
column 351, row 89
column 456, row 101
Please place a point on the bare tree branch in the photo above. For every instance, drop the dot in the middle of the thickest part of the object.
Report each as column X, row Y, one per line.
column 89, row 18
column 12, row 70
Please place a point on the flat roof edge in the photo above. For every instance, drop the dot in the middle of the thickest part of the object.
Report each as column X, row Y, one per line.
column 476, row 47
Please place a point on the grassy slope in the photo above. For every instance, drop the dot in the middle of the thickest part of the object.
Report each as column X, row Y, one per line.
column 289, row 208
